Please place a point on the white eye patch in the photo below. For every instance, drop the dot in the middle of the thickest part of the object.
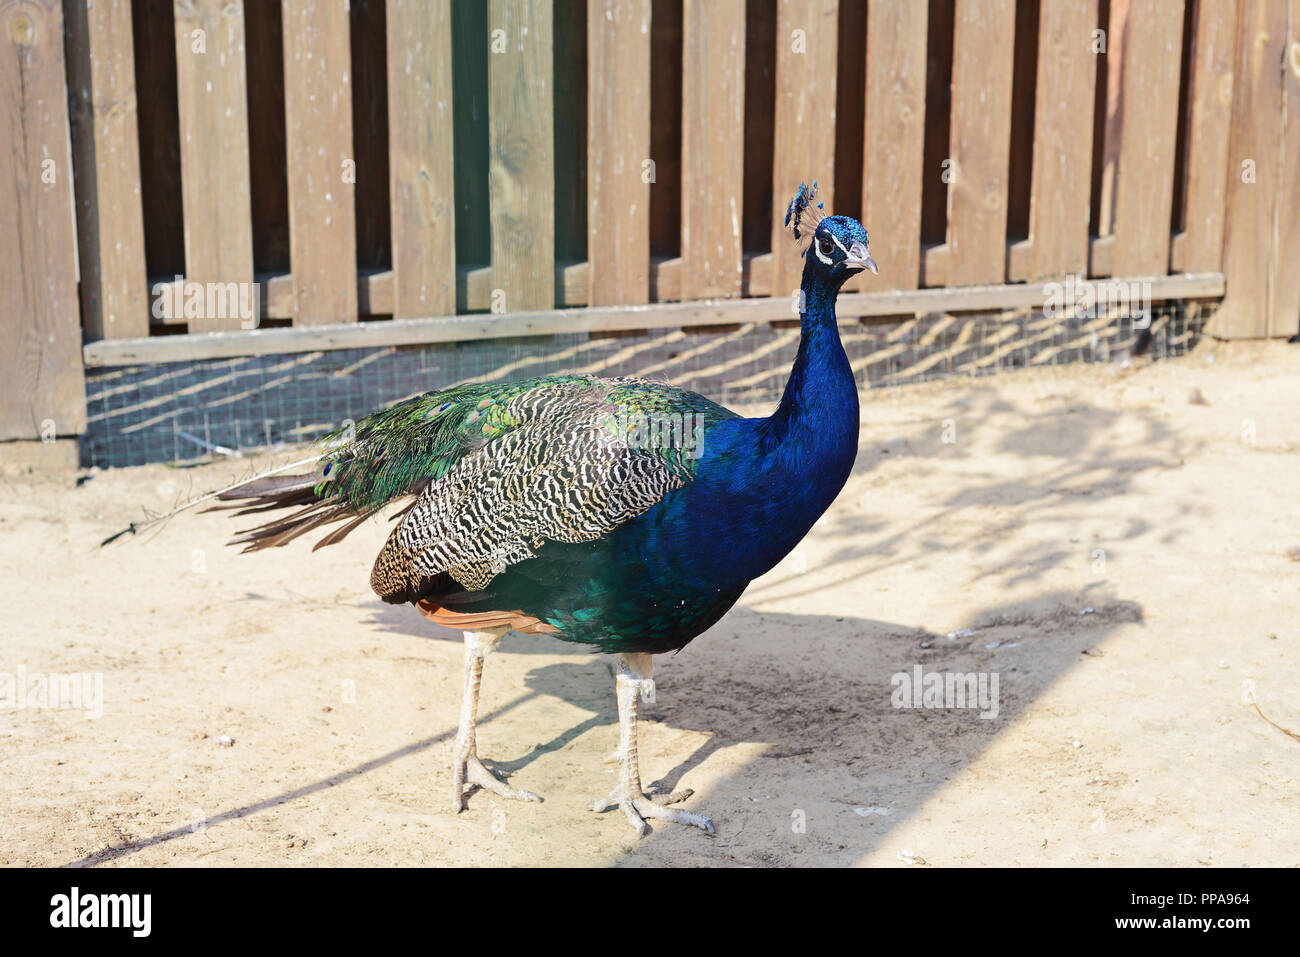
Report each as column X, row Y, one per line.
column 817, row 248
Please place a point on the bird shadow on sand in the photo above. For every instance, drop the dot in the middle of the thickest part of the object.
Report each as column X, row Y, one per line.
column 817, row 693
column 812, row 692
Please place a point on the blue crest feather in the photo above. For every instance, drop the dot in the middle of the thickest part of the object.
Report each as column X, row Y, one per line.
column 803, row 215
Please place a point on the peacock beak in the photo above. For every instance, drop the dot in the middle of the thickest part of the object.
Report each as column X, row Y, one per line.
column 860, row 258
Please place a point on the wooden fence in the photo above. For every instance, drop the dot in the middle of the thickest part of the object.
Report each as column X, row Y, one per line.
column 429, row 170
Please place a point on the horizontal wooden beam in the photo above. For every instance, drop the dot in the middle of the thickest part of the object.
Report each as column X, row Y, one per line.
column 1020, row 260
column 934, row 264
column 272, row 341
column 473, row 289
column 474, row 283
column 1101, row 255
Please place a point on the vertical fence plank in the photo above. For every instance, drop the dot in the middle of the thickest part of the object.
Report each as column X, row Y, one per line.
column 713, row 142
column 1256, row 173
column 1214, row 46
column 106, row 148
column 1284, row 319
column 1063, row 121
column 1144, row 174
column 521, row 140
column 983, row 58
column 421, row 185
column 318, row 134
column 803, row 149
column 895, row 139
column 212, row 97
column 41, row 375
column 1106, row 159
column 618, row 143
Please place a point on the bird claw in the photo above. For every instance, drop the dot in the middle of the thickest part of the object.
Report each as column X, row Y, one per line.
column 654, row 805
column 676, row 797
column 472, row 771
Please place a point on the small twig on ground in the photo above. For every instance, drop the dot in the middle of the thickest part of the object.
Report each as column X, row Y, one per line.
column 1255, row 705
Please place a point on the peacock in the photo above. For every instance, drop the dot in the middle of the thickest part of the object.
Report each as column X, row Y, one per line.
column 583, row 507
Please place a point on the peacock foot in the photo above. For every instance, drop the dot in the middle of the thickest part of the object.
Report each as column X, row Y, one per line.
column 633, row 683
column 470, row 770
column 638, row 806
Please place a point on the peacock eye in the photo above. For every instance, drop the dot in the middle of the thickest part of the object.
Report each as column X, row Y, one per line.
column 825, row 246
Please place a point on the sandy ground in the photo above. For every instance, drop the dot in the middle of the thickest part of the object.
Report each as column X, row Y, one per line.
column 1122, row 557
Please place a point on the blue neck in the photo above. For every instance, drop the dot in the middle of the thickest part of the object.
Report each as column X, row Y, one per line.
column 818, row 413
column 779, row 473
column 805, row 449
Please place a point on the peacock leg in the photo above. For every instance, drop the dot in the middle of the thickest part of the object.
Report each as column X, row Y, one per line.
column 632, row 683
column 468, row 767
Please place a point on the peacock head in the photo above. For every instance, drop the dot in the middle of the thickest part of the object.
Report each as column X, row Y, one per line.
column 835, row 247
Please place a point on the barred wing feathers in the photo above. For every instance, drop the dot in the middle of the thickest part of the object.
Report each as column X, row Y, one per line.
column 497, row 470
column 569, row 473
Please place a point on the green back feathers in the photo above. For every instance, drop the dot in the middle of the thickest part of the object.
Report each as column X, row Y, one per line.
column 397, row 451
column 498, row 470
column 390, row 453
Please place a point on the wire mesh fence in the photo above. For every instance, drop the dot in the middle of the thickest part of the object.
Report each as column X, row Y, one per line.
column 188, row 411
